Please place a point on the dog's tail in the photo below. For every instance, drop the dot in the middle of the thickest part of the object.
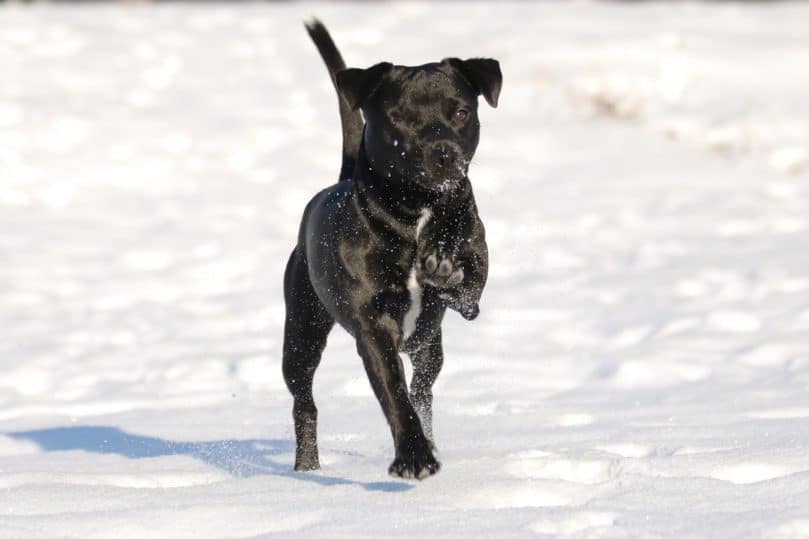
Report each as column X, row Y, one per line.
column 351, row 120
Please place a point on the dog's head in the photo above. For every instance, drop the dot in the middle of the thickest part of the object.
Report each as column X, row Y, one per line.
column 422, row 122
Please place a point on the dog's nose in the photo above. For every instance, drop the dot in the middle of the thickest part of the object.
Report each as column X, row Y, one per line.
column 444, row 157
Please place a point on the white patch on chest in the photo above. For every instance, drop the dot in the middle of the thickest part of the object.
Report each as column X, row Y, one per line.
column 423, row 218
column 413, row 286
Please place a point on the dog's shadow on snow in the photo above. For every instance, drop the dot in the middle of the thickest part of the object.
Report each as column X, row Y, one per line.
column 240, row 458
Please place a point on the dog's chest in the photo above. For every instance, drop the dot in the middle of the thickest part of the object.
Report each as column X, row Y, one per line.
column 414, row 288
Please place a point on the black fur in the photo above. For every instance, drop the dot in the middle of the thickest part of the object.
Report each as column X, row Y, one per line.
column 402, row 214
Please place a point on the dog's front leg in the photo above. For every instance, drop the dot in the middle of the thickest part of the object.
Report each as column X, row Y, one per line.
column 465, row 296
column 414, row 458
column 453, row 257
column 459, row 278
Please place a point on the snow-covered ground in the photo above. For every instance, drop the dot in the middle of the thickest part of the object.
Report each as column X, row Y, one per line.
column 641, row 364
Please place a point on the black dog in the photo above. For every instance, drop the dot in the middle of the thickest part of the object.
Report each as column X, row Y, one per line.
column 394, row 243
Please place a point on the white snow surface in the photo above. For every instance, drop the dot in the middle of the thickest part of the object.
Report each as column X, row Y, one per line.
column 640, row 367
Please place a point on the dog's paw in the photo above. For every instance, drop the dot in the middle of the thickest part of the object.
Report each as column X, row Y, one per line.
column 441, row 271
column 307, row 466
column 414, row 469
column 415, row 463
column 469, row 309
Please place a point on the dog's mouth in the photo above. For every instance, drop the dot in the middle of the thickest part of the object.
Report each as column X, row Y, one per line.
column 453, row 171
column 441, row 180
column 448, row 184
column 443, row 174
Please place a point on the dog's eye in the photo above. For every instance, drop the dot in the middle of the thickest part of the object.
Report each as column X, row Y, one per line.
column 461, row 115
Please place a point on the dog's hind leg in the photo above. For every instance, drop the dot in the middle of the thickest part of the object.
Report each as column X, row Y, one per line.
column 306, row 329
column 427, row 363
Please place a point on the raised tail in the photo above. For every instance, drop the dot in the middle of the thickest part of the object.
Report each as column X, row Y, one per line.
column 351, row 120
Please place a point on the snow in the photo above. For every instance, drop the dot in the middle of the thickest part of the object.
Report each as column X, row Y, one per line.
column 640, row 367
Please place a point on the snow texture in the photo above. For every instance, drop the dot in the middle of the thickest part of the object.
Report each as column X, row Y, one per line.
column 640, row 367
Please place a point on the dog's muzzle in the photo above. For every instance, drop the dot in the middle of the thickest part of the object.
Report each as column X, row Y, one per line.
column 445, row 162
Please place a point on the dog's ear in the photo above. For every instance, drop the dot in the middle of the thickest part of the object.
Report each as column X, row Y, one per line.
column 483, row 74
column 357, row 85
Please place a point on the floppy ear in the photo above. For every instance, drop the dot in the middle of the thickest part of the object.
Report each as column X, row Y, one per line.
column 357, row 85
column 483, row 74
